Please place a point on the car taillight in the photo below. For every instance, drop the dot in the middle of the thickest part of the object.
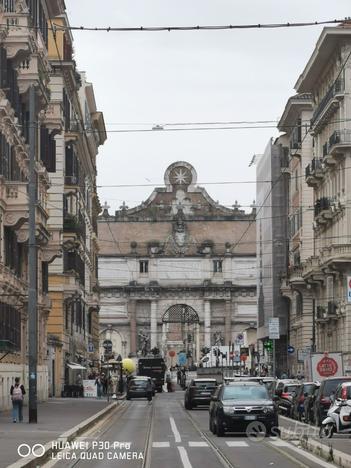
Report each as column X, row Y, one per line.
column 325, row 401
column 347, row 417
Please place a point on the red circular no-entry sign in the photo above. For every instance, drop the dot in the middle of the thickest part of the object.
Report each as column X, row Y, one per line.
column 171, row 353
column 327, row 367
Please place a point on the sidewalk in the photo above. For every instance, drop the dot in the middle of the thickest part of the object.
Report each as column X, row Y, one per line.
column 338, row 443
column 55, row 417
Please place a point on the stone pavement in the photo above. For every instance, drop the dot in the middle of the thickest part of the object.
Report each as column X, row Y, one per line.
column 55, row 417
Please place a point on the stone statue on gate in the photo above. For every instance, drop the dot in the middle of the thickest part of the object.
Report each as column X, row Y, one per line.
column 144, row 343
column 218, row 339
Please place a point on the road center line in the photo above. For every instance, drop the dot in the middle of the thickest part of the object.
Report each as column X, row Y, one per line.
column 184, row 457
column 175, row 430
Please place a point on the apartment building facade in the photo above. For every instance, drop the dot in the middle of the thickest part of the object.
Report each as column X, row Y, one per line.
column 318, row 282
column 295, row 122
column 73, row 335
column 23, row 63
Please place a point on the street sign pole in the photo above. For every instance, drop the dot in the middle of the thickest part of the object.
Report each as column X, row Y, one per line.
column 274, row 362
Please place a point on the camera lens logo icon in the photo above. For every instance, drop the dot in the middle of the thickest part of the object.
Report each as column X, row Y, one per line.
column 36, row 450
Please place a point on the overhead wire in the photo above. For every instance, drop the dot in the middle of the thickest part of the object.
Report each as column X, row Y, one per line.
column 200, row 28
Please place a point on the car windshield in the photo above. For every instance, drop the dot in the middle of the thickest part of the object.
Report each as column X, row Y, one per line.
column 330, row 385
column 245, row 392
column 139, row 383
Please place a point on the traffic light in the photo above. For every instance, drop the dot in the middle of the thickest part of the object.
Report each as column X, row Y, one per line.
column 268, row 345
column 205, row 350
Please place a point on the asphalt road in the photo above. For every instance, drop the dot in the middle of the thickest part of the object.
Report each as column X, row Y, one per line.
column 163, row 434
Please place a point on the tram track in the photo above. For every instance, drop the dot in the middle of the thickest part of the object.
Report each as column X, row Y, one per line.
column 114, row 421
column 224, row 460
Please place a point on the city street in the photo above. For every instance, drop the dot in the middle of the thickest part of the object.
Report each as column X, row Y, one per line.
column 168, row 435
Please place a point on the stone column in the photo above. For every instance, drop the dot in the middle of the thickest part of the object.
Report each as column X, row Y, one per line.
column 197, row 342
column 164, row 338
column 207, row 323
column 228, row 322
column 132, row 318
column 153, row 324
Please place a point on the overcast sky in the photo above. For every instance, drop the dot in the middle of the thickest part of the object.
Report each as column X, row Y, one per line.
column 196, row 76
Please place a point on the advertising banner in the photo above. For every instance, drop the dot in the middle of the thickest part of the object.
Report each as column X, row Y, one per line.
column 325, row 365
column 89, row 388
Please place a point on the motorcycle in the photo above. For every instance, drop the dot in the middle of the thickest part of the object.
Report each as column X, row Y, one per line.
column 338, row 419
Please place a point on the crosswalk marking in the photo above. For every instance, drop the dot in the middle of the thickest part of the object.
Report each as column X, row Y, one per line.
column 236, row 443
column 198, row 444
column 160, row 444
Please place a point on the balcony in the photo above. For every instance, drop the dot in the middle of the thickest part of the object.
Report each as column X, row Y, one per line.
column 312, row 270
column 295, row 274
column 336, row 255
column 339, row 141
column 74, row 224
column 328, row 105
column 314, row 172
column 323, row 210
column 15, row 195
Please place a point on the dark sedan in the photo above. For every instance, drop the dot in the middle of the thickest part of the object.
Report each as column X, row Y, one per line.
column 234, row 406
column 199, row 392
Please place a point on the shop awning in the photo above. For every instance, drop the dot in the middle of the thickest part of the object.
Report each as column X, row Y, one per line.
column 75, row 366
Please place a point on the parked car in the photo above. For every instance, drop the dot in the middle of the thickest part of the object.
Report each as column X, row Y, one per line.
column 235, row 405
column 298, row 401
column 140, row 387
column 309, row 404
column 284, row 393
column 322, row 400
column 199, row 392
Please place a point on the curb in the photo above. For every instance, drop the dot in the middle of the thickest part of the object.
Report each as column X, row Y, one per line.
column 68, row 436
column 327, row 452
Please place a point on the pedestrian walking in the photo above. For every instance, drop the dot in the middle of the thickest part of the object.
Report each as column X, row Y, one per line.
column 149, row 390
column 17, row 392
column 169, row 381
column 99, row 386
column 179, row 376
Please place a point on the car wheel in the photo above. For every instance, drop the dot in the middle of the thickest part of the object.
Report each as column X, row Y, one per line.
column 187, row 405
column 219, row 429
column 211, row 426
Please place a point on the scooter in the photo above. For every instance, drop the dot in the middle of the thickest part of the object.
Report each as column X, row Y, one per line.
column 338, row 419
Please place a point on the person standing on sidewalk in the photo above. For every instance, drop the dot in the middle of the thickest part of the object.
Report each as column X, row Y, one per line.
column 17, row 393
column 99, row 386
